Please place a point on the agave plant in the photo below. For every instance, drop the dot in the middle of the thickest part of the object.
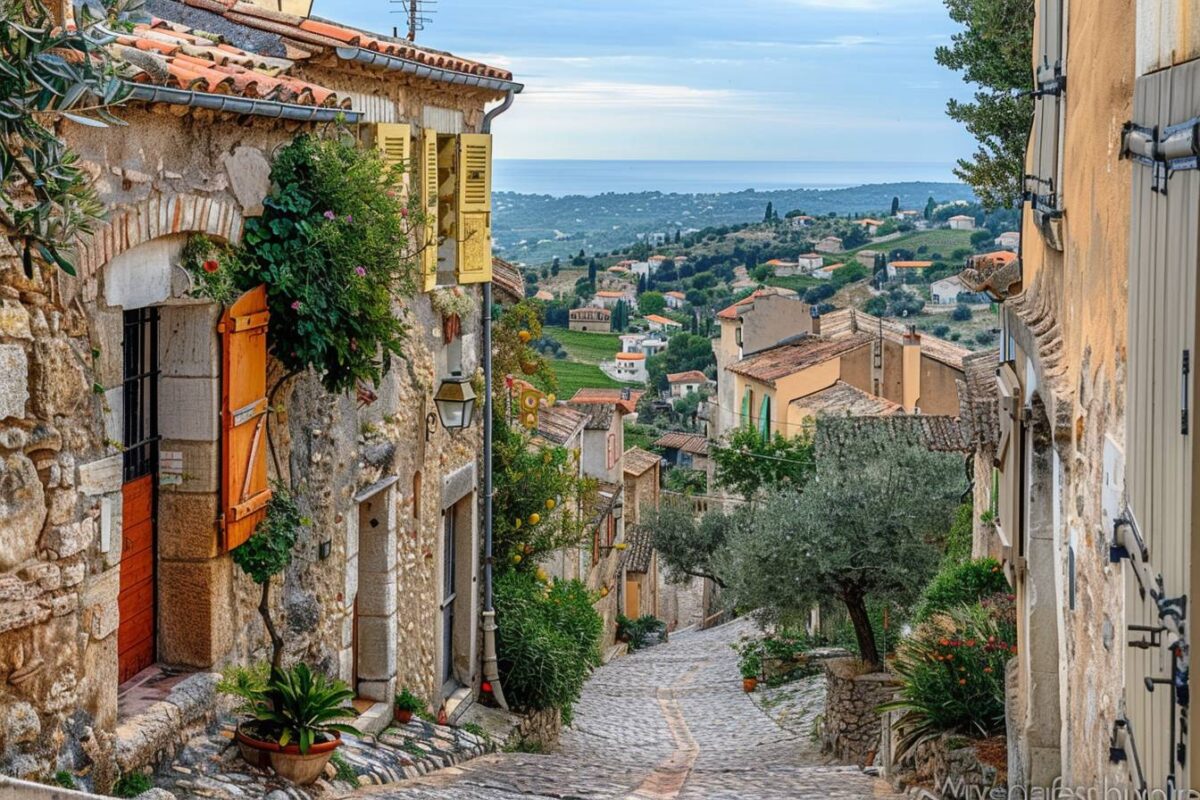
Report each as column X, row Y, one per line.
column 299, row 705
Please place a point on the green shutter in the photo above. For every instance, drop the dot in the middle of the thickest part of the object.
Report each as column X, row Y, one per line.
column 764, row 418
column 746, row 407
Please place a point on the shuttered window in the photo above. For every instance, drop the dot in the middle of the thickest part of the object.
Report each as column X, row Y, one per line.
column 747, row 404
column 1042, row 184
column 474, row 213
column 764, row 418
column 394, row 142
column 428, row 243
column 244, row 486
column 1160, row 419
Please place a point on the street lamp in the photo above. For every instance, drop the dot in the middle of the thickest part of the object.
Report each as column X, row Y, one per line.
column 455, row 400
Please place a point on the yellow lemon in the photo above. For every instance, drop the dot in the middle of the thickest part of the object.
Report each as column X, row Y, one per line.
column 542, row 576
column 550, row 399
column 604, row 591
column 517, row 523
column 550, row 504
column 535, row 518
column 524, row 336
column 621, row 546
column 516, row 559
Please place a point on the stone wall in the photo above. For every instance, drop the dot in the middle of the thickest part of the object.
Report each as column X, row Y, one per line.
column 953, row 767
column 164, row 177
column 540, row 728
column 851, row 728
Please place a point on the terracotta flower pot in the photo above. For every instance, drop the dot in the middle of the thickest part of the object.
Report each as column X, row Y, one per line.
column 256, row 752
column 403, row 716
column 749, row 684
column 300, row 768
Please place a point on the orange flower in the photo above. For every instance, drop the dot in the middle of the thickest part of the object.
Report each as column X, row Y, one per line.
column 988, row 670
column 970, row 642
column 211, row 265
column 962, row 681
column 944, row 642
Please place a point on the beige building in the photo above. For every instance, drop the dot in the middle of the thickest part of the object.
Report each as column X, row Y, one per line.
column 590, row 318
column 122, row 415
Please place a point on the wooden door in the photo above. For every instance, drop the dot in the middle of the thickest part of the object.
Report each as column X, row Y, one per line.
column 136, row 600
column 633, row 597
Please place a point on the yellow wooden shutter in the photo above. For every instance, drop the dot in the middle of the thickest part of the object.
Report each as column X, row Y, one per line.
column 474, row 200
column 1010, row 465
column 429, row 203
column 394, row 141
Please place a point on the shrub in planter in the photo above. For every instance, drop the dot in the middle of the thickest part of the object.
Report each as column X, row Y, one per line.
column 958, row 584
column 295, row 723
column 548, row 640
column 636, row 632
column 406, row 704
column 952, row 673
column 749, row 662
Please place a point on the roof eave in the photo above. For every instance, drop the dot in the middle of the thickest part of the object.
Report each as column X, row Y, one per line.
column 407, row 66
column 240, row 105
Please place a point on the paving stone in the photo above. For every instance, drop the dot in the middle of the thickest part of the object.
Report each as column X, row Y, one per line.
column 669, row 722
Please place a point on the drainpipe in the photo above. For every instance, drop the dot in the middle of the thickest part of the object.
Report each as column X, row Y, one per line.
column 491, row 672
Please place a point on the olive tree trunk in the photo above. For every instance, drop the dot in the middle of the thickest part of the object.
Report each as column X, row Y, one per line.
column 856, row 606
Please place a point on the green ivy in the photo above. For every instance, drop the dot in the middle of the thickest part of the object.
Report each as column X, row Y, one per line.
column 333, row 247
column 268, row 552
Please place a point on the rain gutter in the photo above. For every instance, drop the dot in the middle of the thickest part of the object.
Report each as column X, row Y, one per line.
column 240, row 105
column 415, row 68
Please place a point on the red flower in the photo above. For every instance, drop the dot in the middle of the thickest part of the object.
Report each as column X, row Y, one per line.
column 211, row 265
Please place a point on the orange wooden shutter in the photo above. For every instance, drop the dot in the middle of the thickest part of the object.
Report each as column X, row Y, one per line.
column 245, row 489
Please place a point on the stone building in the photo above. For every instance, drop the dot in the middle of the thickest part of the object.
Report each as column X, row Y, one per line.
column 121, row 413
column 1096, row 441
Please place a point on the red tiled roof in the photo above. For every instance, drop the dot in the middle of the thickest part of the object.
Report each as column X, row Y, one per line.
column 662, row 320
column 842, row 399
column 614, row 397
column 911, row 264
column 309, row 36
column 507, row 278
column 770, row 365
column 692, row 443
column 733, row 311
column 631, row 356
column 676, row 295
column 169, row 54
column 691, row 376
column 559, row 423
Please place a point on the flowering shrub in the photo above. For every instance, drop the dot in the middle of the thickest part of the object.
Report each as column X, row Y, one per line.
column 333, row 247
column 952, row 672
column 547, row 642
column 212, row 268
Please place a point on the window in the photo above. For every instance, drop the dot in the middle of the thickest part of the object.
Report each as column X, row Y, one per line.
column 1043, row 185
column 612, row 450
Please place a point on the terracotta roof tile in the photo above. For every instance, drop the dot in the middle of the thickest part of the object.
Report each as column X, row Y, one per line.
column 692, row 443
column 782, row 360
column 625, row 399
column 328, row 34
column 641, row 549
column 911, row 264
column 637, row 461
column 735, row 310
column 691, row 376
column 937, row 433
column 661, row 320
column 507, row 278
column 842, row 399
column 559, row 423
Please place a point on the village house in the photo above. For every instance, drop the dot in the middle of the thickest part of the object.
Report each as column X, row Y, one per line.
column 867, row 258
column 962, row 222
column 903, row 269
column 630, row 367
column 544, row 295
column 656, row 239
column 675, row 299
column 825, row 273
column 135, row 448
column 871, row 226
column 643, row 583
column 685, row 450
column 800, row 222
column 781, row 268
column 657, row 322
column 590, row 319
column 684, row 383
column 809, row 261
column 609, row 298
column 908, row 215
column 1009, row 240
column 947, row 291
column 830, row 244
column 646, row 344
column 1096, row 448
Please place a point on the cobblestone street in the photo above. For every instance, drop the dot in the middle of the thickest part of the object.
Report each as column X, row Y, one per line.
column 664, row 723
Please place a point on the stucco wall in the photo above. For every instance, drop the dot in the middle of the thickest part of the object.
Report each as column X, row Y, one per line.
column 939, row 388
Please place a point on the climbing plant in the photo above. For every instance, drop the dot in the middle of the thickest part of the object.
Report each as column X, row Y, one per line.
column 334, row 248
column 51, row 72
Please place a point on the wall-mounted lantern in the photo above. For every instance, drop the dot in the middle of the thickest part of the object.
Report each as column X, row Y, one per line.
column 455, row 400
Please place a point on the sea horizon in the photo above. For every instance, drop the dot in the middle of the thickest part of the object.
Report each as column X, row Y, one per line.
column 590, row 177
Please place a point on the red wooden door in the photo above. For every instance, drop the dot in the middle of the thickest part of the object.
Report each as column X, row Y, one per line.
column 135, row 637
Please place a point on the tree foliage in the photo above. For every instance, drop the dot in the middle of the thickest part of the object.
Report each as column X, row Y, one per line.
column 994, row 51
column 865, row 526
column 749, row 463
column 50, row 72
column 332, row 248
column 651, row 303
column 690, row 547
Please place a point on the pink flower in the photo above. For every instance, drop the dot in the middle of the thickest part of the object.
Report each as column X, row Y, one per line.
column 330, row 215
column 295, row 305
column 360, row 271
column 404, row 212
column 349, row 218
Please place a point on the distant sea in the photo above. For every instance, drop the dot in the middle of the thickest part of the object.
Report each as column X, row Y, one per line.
column 559, row 177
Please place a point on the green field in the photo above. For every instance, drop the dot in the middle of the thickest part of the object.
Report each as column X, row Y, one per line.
column 573, row 376
column 588, row 348
column 942, row 241
column 797, row 283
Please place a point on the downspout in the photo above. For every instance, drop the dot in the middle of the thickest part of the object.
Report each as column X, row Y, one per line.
column 491, row 671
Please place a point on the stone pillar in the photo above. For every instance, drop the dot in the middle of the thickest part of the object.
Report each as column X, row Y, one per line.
column 374, row 565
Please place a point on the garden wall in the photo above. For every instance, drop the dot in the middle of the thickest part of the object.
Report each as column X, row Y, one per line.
column 851, row 728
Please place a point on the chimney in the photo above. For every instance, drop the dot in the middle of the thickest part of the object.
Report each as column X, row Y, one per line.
column 911, row 370
column 815, row 311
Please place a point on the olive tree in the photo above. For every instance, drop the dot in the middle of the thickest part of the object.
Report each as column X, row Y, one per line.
column 866, row 525
column 691, row 546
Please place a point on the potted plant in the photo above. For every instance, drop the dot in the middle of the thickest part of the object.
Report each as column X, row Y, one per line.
column 406, row 704
column 296, row 721
column 750, row 665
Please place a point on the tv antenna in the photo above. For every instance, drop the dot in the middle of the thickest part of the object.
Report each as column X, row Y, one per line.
column 419, row 13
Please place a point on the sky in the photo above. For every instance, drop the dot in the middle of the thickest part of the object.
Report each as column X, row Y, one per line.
column 732, row 80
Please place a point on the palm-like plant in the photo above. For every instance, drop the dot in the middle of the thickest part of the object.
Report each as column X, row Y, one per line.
column 298, row 705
